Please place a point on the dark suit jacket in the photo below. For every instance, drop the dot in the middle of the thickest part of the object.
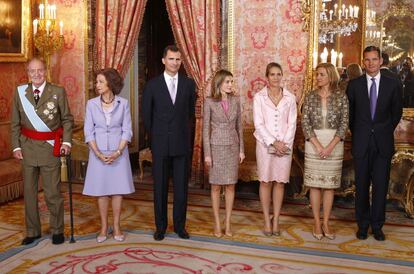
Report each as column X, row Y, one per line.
column 387, row 115
column 168, row 123
column 390, row 74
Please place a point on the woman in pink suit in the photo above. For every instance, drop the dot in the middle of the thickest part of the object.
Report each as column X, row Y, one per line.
column 108, row 131
column 274, row 116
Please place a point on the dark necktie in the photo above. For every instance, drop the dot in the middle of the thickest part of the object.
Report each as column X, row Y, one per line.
column 373, row 98
column 36, row 95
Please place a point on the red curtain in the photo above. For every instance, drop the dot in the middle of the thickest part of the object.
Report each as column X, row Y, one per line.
column 196, row 27
column 117, row 26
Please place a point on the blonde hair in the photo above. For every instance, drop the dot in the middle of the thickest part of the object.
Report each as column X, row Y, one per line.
column 333, row 74
column 217, row 82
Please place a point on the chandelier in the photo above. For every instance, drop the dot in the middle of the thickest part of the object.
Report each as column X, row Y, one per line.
column 47, row 33
column 373, row 32
column 336, row 20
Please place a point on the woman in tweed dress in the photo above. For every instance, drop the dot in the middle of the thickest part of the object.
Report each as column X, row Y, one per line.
column 274, row 116
column 223, row 144
column 324, row 124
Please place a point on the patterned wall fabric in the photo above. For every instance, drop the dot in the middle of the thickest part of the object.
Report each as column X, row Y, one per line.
column 268, row 31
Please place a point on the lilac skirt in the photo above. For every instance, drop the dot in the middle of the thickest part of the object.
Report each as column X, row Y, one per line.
column 114, row 179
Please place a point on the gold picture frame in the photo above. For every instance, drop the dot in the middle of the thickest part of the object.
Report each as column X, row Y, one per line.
column 15, row 30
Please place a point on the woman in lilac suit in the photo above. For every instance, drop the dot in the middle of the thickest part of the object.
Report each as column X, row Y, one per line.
column 274, row 117
column 108, row 131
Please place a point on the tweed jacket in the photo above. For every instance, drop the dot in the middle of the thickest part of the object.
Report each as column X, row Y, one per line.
column 108, row 137
column 337, row 113
column 53, row 109
column 220, row 128
column 274, row 122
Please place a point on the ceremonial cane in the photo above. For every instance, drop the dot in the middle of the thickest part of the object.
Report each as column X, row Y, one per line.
column 66, row 177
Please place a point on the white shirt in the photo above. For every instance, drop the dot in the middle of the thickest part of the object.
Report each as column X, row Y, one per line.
column 168, row 80
column 377, row 82
column 41, row 88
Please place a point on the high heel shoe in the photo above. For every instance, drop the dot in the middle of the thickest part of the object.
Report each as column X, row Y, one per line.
column 330, row 236
column 101, row 239
column 268, row 233
column 275, row 232
column 316, row 236
column 228, row 232
column 218, row 234
column 119, row 238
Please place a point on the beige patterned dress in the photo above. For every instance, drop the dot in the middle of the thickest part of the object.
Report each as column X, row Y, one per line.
column 324, row 124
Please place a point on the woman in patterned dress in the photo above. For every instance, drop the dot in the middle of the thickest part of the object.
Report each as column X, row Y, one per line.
column 223, row 145
column 274, row 116
column 324, row 124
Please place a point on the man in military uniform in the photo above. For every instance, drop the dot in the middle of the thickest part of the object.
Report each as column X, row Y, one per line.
column 40, row 119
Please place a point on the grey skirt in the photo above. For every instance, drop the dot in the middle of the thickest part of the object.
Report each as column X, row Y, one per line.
column 225, row 164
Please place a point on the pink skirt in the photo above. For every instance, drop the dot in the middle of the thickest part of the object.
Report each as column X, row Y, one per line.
column 272, row 168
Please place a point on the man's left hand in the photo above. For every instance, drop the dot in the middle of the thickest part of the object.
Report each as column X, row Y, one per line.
column 65, row 149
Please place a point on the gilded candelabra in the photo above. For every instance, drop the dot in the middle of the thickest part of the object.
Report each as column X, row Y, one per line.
column 47, row 34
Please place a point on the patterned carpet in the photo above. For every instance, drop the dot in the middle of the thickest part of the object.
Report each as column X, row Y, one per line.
column 140, row 254
column 249, row 251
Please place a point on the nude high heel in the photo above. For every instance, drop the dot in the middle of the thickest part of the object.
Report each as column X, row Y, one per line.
column 330, row 236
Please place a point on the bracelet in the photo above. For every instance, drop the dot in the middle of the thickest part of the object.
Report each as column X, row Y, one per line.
column 119, row 152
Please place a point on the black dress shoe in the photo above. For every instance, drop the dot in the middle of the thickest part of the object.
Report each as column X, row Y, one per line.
column 379, row 235
column 183, row 234
column 362, row 234
column 159, row 235
column 58, row 239
column 29, row 240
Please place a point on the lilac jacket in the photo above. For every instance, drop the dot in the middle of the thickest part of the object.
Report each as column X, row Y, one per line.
column 107, row 138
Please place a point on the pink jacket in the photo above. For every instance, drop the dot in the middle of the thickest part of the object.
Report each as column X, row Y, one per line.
column 274, row 123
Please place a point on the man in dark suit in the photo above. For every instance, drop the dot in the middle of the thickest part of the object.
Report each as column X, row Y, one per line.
column 375, row 109
column 385, row 69
column 168, row 103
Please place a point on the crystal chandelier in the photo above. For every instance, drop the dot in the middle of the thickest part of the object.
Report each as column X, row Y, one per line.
column 335, row 20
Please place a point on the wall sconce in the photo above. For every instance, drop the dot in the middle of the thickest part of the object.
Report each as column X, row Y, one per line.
column 47, row 33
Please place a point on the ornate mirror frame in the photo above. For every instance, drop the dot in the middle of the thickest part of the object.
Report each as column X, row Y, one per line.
column 397, row 9
column 310, row 10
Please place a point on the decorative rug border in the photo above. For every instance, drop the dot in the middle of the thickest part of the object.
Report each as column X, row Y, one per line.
column 330, row 254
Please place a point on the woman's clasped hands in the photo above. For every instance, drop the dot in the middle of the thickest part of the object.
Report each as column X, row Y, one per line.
column 108, row 159
column 281, row 148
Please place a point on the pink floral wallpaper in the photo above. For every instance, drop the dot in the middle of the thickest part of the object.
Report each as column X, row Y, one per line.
column 268, row 31
column 68, row 68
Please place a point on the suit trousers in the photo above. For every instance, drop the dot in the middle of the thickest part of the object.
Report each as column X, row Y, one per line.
column 50, row 175
column 161, row 167
column 372, row 167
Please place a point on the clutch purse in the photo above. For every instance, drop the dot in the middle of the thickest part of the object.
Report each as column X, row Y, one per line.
column 271, row 149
